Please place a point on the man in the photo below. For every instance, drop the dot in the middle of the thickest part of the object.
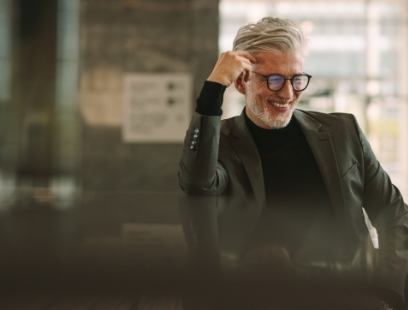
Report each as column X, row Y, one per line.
column 305, row 186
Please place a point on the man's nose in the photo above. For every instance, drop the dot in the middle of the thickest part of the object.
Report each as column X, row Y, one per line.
column 287, row 91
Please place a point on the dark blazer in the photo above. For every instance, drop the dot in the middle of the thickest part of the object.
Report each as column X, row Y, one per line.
column 220, row 160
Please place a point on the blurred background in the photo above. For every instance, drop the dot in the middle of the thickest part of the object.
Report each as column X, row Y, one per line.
column 72, row 123
column 96, row 95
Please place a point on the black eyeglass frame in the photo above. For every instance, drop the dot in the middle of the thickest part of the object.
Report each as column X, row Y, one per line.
column 266, row 77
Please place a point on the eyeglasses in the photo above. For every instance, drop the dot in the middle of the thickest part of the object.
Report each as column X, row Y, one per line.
column 275, row 82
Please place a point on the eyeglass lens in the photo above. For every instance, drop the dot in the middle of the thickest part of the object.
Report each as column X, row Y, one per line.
column 298, row 81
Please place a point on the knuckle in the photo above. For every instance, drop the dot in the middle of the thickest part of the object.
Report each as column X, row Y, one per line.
column 232, row 55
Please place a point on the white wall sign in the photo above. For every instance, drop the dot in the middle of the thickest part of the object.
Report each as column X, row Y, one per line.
column 156, row 107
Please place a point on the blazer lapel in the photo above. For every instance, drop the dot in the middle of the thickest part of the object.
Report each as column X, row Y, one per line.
column 321, row 144
column 246, row 149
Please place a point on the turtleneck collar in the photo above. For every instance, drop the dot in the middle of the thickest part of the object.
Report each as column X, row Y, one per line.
column 260, row 134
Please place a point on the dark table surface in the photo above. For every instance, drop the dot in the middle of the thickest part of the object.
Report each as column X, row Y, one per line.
column 141, row 250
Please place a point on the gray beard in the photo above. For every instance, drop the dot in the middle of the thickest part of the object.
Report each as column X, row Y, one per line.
column 270, row 123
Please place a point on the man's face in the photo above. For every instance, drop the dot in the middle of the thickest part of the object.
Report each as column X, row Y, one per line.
column 267, row 108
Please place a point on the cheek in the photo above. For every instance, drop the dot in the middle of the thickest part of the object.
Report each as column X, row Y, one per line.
column 261, row 95
column 260, row 101
column 258, row 95
column 253, row 95
column 296, row 96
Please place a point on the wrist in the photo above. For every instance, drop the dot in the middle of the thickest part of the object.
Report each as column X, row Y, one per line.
column 219, row 79
column 210, row 99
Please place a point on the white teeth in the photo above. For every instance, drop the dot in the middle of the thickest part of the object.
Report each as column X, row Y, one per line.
column 280, row 105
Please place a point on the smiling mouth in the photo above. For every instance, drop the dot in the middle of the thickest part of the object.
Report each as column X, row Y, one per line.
column 279, row 104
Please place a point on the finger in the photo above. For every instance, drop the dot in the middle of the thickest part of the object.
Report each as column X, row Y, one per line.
column 245, row 62
column 247, row 65
column 247, row 55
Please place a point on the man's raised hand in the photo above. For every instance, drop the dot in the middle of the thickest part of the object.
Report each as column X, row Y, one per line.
column 230, row 65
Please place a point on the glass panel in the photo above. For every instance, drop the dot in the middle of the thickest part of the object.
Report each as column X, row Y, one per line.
column 5, row 52
column 356, row 54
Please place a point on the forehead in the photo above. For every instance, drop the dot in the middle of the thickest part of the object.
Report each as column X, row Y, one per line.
column 285, row 63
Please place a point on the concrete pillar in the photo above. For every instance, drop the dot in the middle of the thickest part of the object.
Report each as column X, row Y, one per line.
column 134, row 36
column 33, row 95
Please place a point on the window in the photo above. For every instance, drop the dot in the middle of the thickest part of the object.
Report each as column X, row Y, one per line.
column 357, row 56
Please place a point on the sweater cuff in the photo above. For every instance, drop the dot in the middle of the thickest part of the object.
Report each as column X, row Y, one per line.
column 210, row 99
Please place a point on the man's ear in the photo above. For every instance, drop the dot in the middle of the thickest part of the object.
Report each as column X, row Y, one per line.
column 240, row 84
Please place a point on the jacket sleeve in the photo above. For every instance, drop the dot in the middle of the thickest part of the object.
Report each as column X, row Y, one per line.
column 200, row 173
column 385, row 206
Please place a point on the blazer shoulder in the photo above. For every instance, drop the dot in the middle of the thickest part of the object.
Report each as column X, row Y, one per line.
column 332, row 119
column 228, row 124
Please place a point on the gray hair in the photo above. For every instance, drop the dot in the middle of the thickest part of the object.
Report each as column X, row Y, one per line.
column 270, row 33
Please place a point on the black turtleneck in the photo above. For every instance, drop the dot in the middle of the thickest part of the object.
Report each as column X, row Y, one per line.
column 290, row 170
column 295, row 192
